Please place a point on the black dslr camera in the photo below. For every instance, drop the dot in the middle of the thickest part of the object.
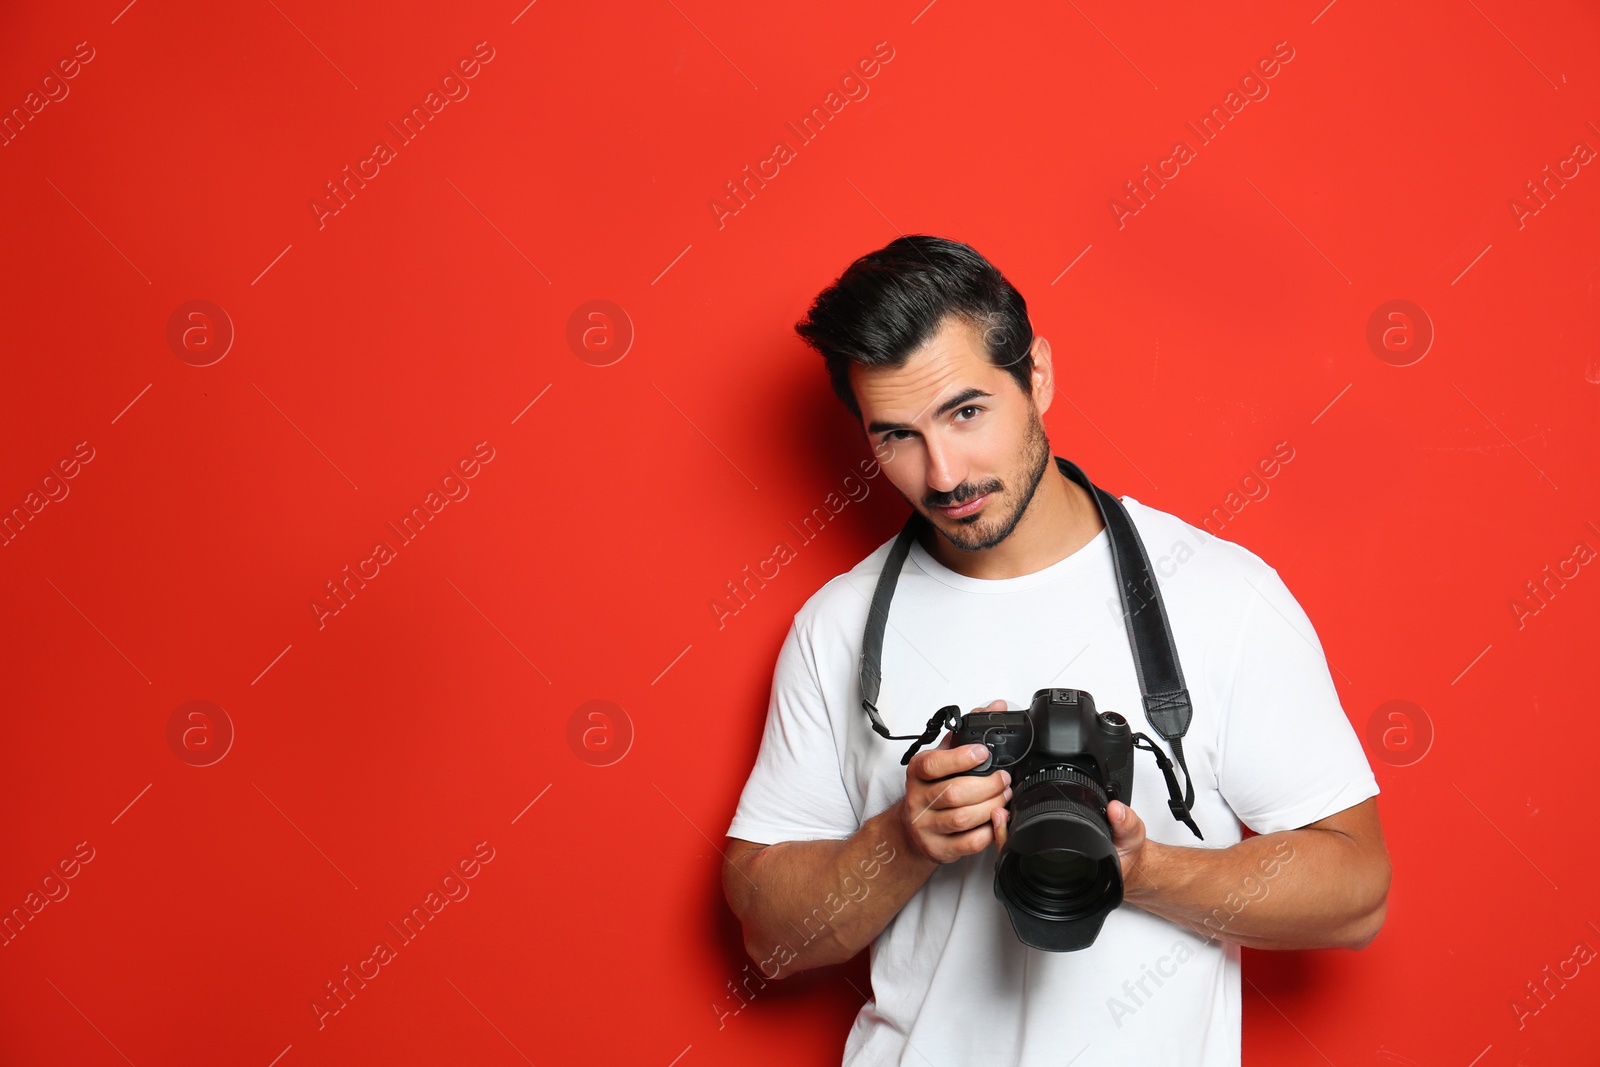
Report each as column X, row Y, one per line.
column 1059, row 875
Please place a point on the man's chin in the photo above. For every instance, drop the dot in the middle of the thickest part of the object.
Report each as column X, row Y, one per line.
column 966, row 534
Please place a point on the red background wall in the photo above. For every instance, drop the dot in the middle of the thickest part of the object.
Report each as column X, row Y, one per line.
column 638, row 468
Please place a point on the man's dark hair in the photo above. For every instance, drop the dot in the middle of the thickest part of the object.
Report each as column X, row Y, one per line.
column 890, row 302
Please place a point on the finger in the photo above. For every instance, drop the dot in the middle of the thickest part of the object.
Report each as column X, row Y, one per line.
column 959, row 820
column 933, row 764
column 1001, row 819
column 922, row 800
column 940, row 766
column 1127, row 829
column 972, row 841
column 960, row 792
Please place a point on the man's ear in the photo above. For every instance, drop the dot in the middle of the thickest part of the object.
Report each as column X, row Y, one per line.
column 1044, row 387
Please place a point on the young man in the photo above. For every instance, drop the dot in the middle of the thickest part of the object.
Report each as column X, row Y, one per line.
column 836, row 846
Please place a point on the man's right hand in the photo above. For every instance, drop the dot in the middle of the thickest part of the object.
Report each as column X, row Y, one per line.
column 947, row 820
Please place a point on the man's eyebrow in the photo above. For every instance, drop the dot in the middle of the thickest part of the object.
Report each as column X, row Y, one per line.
column 961, row 399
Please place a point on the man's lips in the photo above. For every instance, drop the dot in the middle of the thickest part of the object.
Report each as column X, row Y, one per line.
column 966, row 509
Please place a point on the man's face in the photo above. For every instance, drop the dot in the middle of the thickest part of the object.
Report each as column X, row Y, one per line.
column 949, row 428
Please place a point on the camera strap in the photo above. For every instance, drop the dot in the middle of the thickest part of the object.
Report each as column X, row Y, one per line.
column 1155, row 656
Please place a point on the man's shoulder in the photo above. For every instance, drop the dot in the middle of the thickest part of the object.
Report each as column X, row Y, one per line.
column 1186, row 556
column 1212, row 587
column 841, row 603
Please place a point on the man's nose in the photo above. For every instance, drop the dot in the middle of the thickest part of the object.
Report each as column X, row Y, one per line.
column 945, row 471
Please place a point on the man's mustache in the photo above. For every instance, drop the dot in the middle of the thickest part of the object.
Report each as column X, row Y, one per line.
column 951, row 499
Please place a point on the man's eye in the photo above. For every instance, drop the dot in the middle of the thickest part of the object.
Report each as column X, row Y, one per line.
column 893, row 435
column 969, row 407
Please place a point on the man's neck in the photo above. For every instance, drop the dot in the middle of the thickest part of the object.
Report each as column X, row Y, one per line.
column 1060, row 519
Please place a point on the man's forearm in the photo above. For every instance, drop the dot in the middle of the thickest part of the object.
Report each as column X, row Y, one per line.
column 1295, row 889
column 808, row 904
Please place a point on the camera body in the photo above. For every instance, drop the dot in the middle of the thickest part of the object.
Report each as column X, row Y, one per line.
column 1059, row 874
column 1061, row 727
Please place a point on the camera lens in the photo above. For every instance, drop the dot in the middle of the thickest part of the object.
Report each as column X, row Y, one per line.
column 1059, row 862
column 1059, row 870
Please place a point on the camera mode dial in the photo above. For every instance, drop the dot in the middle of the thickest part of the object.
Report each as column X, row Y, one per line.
column 1008, row 735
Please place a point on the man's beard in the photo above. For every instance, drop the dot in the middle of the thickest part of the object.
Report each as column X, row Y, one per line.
column 986, row 531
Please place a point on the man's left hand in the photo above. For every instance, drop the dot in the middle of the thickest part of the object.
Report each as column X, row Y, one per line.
column 1127, row 833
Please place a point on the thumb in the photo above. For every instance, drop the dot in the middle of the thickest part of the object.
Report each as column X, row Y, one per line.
column 1126, row 829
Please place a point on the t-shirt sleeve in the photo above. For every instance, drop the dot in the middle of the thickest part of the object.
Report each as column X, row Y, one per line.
column 1289, row 755
column 796, row 790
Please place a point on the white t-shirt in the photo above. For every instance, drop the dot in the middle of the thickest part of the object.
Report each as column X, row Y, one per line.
column 1268, row 746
